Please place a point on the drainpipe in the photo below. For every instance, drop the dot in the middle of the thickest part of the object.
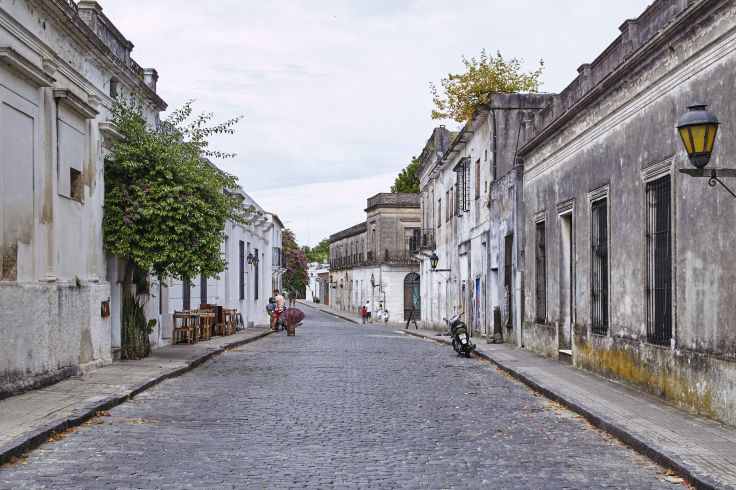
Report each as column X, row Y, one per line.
column 518, row 195
column 494, row 142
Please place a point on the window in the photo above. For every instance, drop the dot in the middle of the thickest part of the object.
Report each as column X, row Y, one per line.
column 599, row 266
column 541, row 274
column 439, row 213
column 659, row 261
column 477, row 179
column 255, row 275
column 241, row 270
column 186, row 301
column 202, row 289
column 447, row 208
column 76, row 188
column 462, row 187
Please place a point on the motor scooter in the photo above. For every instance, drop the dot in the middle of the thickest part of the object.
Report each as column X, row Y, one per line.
column 459, row 333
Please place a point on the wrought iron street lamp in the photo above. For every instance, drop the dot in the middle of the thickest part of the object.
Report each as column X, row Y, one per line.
column 255, row 261
column 698, row 128
column 250, row 258
column 373, row 281
column 433, row 261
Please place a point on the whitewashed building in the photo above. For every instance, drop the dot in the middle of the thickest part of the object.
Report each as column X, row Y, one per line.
column 470, row 197
column 246, row 284
column 60, row 64
column 372, row 261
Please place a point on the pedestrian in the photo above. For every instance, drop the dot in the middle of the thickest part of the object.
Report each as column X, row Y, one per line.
column 385, row 316
column 292, row 299
column 368, row 311
column 363, row 312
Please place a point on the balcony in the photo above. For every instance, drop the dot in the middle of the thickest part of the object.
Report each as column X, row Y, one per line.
column 422, row 240
column 278, row 257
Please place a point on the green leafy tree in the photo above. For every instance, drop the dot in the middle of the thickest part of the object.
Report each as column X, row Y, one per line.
column 320, row 253
column 407, row 180
column 464, row 92
column 165, row 209
column 296, row 276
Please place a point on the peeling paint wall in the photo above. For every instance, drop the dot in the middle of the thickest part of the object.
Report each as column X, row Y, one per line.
column 54, row 94
column 623, row 137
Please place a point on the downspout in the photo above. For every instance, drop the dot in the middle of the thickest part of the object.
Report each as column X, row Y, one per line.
column 518, row 195
column 494, row 142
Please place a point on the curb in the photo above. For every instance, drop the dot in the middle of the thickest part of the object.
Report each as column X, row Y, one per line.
column 659, row 456
column 36, row 438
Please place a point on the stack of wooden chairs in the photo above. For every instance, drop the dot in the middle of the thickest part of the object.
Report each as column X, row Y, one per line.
column 191, row 326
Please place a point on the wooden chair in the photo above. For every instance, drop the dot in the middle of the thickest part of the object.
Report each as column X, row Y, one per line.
column 228, row 325
column 206, row 320
column 183, row 328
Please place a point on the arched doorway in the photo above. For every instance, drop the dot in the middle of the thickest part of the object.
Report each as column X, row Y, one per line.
column 412, row 297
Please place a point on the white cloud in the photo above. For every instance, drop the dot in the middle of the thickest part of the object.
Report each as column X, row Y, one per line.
column 336, row 91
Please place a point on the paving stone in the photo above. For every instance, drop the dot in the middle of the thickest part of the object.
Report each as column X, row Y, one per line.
column 337, row 406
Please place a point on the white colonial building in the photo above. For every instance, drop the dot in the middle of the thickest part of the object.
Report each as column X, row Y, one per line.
column 246, row 284
column 61, row 63
column 372, row 261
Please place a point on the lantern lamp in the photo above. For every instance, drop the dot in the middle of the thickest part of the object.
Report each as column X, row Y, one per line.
column 434, row 260
column 698, row 128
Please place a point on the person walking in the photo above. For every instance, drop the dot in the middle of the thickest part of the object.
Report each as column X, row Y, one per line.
column 363, row 312
column 368, row 311
column 292, row 299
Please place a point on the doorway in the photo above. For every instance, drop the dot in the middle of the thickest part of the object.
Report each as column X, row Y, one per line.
column 412, row 299
column 567, row 285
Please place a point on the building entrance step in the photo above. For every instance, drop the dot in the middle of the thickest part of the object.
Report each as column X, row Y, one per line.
column 565, row 355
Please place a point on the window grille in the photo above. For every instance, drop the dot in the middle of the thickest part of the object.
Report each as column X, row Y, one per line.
column 508, row 279
column 599, row 267
column 186, row 295
column 462, row 188
column 241, row 270
column 659, row 261
column 466, row 186
column 256, row 280
column 541, row 274
column 202, row 289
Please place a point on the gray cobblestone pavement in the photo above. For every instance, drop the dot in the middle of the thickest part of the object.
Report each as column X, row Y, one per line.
column 339, row 405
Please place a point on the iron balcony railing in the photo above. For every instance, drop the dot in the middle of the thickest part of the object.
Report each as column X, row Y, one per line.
column 421, row 240
column 386, row 256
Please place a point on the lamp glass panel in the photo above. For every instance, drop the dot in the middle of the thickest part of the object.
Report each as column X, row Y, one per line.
column 712, row 130
column 685, row 135
column 698, row 133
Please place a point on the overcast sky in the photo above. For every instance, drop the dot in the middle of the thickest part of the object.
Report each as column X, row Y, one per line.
column 335, row 94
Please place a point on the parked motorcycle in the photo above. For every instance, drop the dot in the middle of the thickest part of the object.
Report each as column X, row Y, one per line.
column 459, row 333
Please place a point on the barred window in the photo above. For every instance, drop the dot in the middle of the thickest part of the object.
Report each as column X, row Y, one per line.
column 659, row 261
column 241, row 269
column 599, row 266
column 541, row 273
column 462, row 187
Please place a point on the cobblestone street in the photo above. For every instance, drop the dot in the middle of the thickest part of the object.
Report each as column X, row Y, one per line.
column 339, row 405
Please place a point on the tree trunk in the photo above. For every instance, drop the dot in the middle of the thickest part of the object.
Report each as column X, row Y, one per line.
column 135, row 343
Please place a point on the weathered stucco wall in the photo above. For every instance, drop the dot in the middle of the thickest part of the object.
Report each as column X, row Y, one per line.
column 50, row 332
column 621, row 139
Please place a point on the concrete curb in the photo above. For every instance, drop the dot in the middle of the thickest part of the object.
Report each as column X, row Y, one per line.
column 658, row 455
column 37, row 437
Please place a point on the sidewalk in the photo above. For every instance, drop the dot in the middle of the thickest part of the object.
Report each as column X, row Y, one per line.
column 27, row 420
column 699, row 449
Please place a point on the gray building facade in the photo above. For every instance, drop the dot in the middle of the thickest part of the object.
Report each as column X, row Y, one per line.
column 628, row 264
